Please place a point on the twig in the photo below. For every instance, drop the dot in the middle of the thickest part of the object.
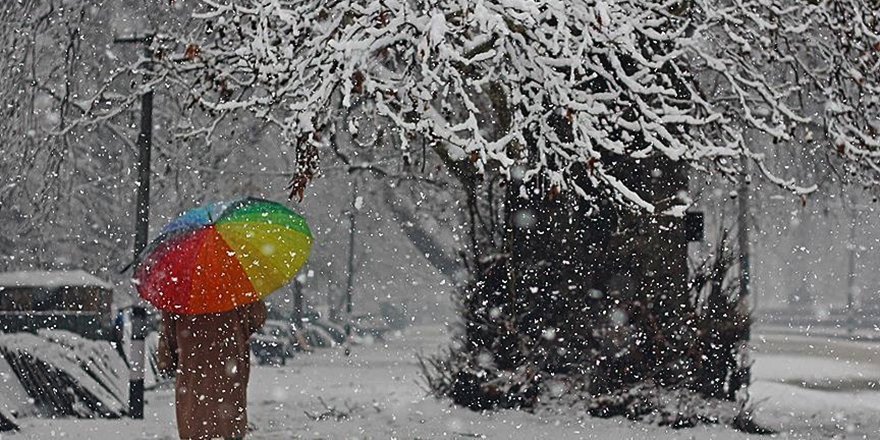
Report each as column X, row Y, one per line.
column 331, row 413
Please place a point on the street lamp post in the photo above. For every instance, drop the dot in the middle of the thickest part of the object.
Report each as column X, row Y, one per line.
column 142, row 226
column 852, row 246
column 349, row 285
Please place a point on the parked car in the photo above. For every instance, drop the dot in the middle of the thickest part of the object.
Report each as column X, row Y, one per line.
column 369, row 326
column 336, row 331
column 274, row 343
column 269, row 350
column 317, row 337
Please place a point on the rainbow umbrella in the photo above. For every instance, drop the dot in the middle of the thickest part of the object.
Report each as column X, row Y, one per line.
column 221, row 256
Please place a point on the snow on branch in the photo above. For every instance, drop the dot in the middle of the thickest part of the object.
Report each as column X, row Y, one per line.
column 555, row 89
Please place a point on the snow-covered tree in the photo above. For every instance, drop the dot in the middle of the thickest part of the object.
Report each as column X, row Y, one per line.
column 66, row 183
column 546, row 88
column 46, row 168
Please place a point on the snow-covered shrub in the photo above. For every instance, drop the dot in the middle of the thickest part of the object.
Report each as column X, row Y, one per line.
column 67, row 375
column 603, row 351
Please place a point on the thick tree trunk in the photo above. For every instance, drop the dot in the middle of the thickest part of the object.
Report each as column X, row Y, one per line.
column 570, row 285
column 647, row 287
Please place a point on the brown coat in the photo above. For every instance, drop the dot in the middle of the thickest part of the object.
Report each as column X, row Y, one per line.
column 211, row 356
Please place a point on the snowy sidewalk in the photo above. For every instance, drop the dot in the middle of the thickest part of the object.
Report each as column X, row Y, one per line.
column 817, row 386
column 377, row 386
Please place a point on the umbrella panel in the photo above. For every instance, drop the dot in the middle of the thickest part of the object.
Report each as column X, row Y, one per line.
column 270, row 254
column 166, row 278
column 219, row 282
column 266, row 213
column 196, row 273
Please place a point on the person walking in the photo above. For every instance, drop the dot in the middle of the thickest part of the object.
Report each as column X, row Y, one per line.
column 209, row 271
column 210, row 355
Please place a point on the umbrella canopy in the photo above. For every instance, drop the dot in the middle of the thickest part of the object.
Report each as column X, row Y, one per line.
column 221, row 256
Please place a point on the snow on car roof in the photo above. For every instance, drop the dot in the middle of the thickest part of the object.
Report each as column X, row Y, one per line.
column 51, row 279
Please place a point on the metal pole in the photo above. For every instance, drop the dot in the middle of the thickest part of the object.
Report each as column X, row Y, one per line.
column 349, row 287
column 851, row 275
column 144, row 143
column 138, row 358
column 298, row 310
column 142, row 226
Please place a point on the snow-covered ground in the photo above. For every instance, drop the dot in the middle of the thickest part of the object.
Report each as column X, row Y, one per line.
column 377, row 386
column 817, row 386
